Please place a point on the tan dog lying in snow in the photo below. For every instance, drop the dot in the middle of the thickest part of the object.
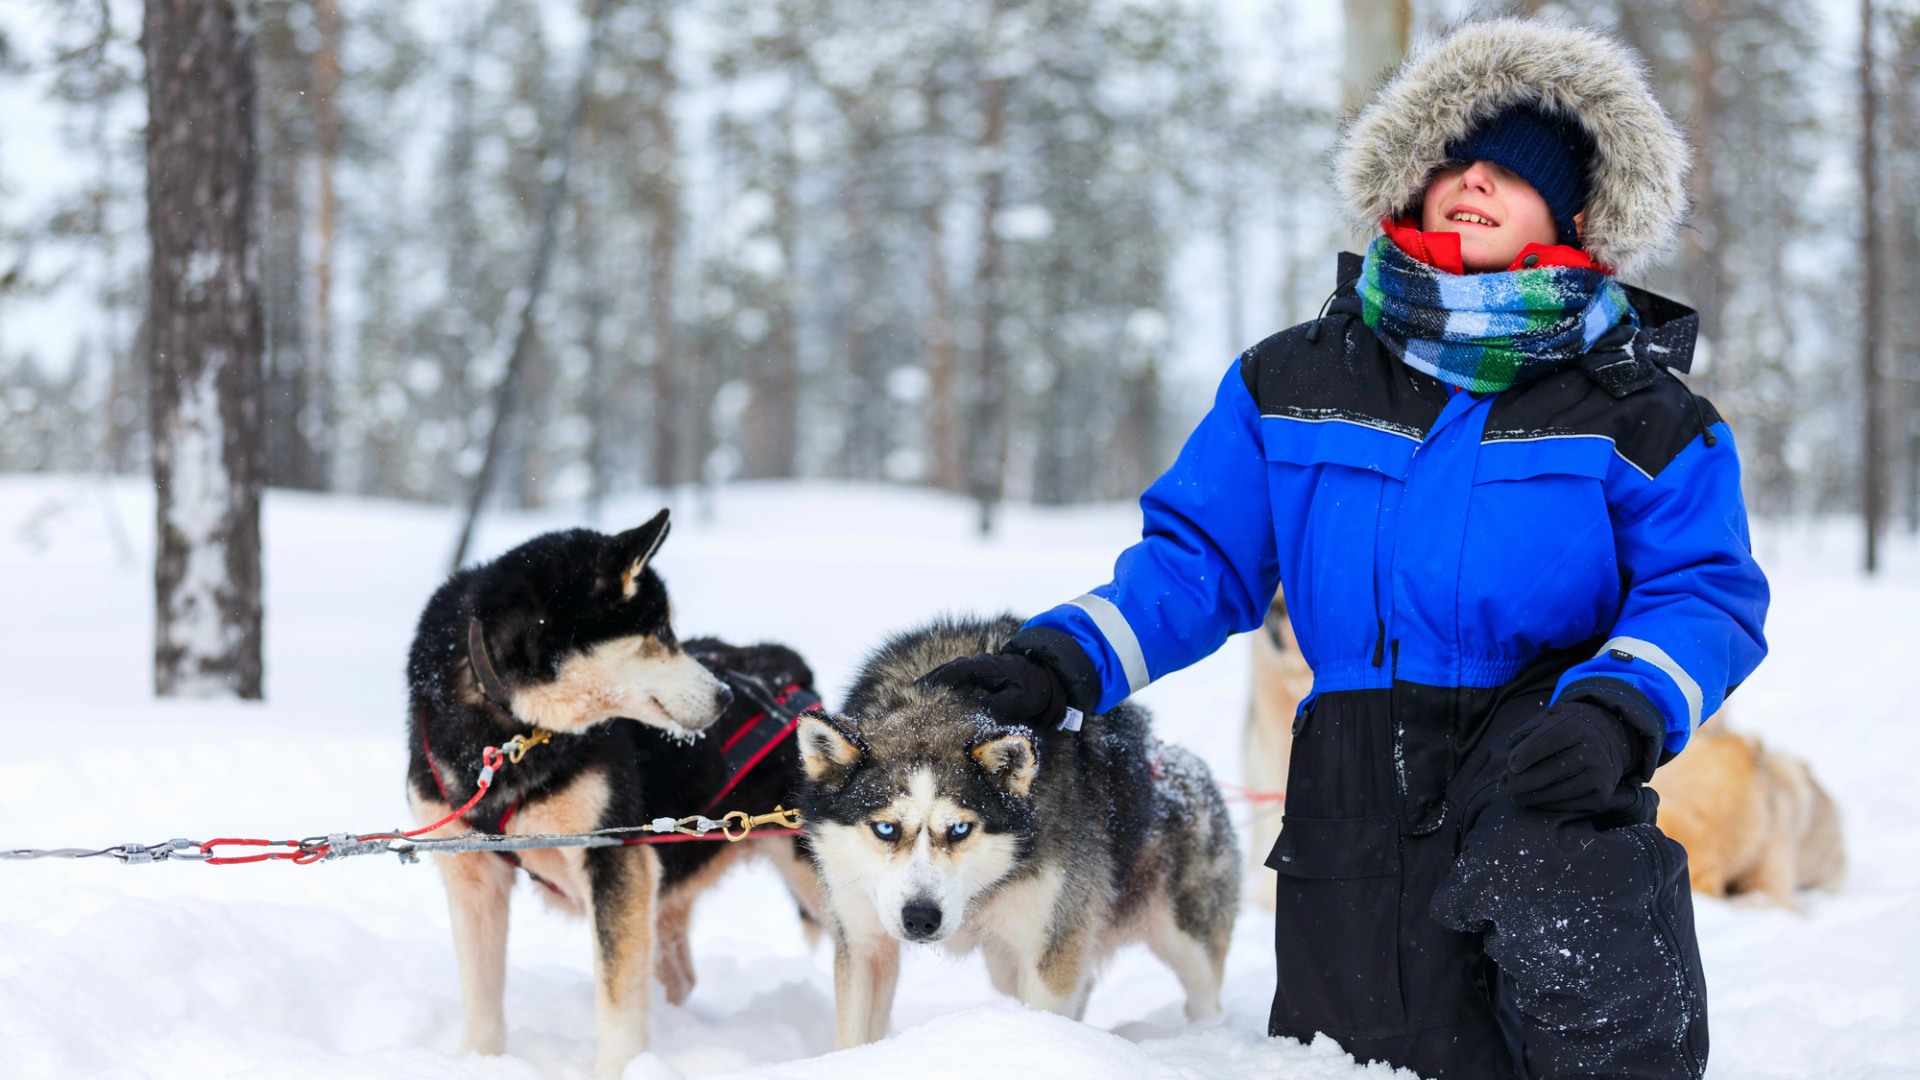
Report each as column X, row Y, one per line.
column 1754, row 821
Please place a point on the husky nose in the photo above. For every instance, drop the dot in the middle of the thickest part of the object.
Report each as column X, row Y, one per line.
column 920, row 921
column 722, row 698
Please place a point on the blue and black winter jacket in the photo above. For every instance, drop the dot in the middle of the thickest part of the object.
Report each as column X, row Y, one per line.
column 1439, row 537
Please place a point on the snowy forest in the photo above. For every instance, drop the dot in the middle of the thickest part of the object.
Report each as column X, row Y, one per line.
column 1000, row 248
column 896, row 307
column 502, row 254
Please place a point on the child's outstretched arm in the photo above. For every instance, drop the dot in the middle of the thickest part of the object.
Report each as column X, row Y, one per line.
column 1205, row 567
column 1690, row 625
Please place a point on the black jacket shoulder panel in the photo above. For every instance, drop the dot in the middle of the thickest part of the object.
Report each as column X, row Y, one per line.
column 1649, row 426
column 1334, row 368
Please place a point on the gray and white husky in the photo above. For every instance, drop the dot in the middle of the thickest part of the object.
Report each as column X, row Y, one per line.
column 932, row 822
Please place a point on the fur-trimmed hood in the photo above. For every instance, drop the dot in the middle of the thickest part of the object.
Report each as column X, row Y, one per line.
column 1637, row 195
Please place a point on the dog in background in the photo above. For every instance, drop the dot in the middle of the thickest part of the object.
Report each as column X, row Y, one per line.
column 567, row 642
column 1281, row 680
column 930, row 822
column 1755, row 823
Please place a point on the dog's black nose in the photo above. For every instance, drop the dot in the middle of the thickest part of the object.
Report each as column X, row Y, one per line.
column 920, row 921
column 723, row 697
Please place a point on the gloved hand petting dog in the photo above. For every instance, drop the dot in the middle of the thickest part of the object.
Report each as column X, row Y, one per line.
column 1016, row 688
column 1572, row 759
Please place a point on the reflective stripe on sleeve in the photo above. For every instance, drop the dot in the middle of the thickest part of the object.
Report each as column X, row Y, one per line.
column 1655, row 655
column 1113, row 626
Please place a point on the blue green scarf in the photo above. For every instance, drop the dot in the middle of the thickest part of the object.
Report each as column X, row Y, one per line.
column 1485, row 332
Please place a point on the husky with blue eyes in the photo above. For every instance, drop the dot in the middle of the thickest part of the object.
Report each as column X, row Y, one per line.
column 933, row 822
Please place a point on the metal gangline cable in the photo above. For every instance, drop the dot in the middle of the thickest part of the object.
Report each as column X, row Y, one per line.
column 735, row 825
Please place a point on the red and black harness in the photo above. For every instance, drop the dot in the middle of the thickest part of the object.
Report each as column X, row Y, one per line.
column 744, row 749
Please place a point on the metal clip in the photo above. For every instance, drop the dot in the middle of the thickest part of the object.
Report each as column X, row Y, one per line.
column 134, row 854
column 517, row 747
column 183, row 850
column 745, row 823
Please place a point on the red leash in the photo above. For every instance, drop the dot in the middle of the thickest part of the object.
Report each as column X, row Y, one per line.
column 491, row 758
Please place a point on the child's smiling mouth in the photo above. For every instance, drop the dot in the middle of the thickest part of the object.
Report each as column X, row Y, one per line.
column 1469, row 216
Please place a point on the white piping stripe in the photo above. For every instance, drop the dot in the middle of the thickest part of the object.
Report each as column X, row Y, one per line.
column 1655, row 655
column 1608, row 439
column 1114, row 627
column 1339, row 420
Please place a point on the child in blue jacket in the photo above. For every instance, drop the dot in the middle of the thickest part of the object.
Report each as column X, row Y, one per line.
column 1516, row 557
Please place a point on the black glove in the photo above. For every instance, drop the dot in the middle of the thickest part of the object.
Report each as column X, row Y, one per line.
column 1572, row 759
column 1017, row 689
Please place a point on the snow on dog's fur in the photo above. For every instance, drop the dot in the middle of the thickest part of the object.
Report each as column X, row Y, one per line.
column 931, row 822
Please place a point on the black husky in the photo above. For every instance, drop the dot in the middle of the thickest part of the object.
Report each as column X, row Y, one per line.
column 566, row 642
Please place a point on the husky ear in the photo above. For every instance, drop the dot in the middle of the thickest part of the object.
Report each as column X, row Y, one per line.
column 1009, row 760
column 632, row 549
column 826, row 752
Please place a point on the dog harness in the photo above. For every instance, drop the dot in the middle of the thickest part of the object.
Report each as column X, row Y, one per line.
column 744, row 749
column 756, row 737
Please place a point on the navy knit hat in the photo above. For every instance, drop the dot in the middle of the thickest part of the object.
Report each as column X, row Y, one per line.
column 1546, row 151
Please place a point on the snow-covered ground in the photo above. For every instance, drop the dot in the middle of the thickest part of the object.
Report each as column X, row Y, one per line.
column 346, row 969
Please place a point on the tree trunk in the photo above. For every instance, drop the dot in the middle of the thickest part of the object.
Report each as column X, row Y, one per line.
column 283, row 95
column 663, row 212
column 1873, row 494
column 772, row 438
column 317, row 420
column 986, row 434
column 1376, row 40
column 1703, row 242
column 863, row 396
column 206, row 343
column 943, row 362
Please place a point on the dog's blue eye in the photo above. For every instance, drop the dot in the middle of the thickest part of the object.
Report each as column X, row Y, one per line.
column 959, row 830
column 886, row 830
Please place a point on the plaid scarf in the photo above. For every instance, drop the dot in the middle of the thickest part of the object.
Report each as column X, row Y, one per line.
column 1485, row 332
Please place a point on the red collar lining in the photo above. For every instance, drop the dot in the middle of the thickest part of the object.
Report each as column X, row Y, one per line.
column 1441, row 250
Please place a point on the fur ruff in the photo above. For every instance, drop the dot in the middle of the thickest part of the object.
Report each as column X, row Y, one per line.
column 1638, row 195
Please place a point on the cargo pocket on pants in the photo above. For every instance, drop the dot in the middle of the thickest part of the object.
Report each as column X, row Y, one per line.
column 1337, row 927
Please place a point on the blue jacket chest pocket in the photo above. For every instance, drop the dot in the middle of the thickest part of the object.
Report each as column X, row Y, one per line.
column 1539, row 562
column 1328, row 481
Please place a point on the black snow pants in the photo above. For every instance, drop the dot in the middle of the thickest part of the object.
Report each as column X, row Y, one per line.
column 1428, row 921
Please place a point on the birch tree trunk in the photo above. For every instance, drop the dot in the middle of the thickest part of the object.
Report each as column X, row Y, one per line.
column 205, row 348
